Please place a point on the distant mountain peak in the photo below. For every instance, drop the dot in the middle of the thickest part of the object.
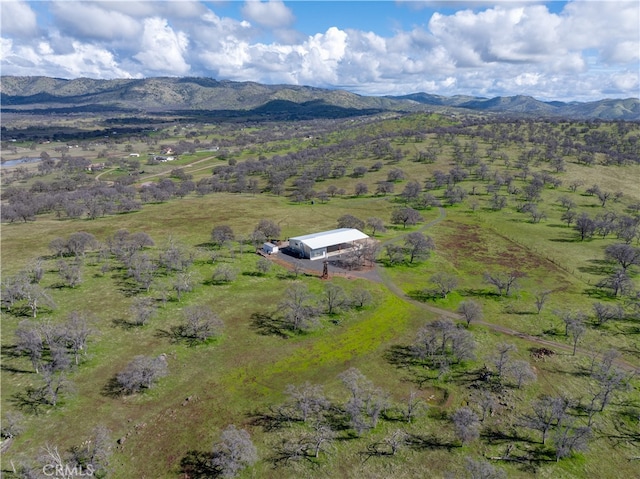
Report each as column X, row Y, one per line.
column 208, row 94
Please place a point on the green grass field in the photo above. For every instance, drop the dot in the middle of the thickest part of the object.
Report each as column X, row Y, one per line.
column 240, row 377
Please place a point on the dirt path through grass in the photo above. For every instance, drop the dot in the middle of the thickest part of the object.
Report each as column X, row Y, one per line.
column 163, row 173
column 396, row 290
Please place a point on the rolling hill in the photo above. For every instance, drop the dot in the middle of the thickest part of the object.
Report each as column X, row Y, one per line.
column 43, row 94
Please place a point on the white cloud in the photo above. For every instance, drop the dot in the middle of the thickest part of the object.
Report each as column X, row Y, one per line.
column 272, row 13
column 89, row 20
column 81, row 60
column 142, row 9
column 162, row 49
column 17, row 19
column 611, row 28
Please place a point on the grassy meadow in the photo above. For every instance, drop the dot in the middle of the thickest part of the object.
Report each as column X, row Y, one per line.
column 240, row 377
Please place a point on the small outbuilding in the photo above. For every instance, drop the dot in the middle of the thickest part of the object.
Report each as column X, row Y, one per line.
column 327, row 243
column 270, row 248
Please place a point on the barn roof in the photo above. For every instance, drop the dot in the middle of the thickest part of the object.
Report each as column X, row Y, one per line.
column 331, row 237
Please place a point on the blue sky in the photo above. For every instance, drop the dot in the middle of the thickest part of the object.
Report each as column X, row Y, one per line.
column 576, row 50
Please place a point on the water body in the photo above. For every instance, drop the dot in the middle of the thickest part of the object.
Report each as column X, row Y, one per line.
column 19, row 161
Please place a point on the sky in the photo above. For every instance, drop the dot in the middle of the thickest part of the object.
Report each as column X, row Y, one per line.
column 578, row 50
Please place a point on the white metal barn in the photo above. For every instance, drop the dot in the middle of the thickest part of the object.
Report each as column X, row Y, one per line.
column 327, row 243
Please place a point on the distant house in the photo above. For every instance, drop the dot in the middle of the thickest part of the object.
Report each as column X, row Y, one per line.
column 327, row 243
column 95, row 167
column 135, row 155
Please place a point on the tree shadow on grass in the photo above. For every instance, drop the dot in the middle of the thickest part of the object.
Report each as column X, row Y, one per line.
column 429, row 441
column 176, row 334
column 401, row 356
column 481, row 293
column 424, row 295
column 267, row 324
column 124, row 324
column 493, row 435
column 112, row 389
column 633, row 329
column 599, row 293
column 10, row 351
column 198, row 465
column 31, row 400
column 627, row 427
column 575, row 239
column 272, row 420
column 598, row 267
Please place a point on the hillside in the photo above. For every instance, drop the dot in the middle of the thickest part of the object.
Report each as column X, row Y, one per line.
column 43, row 94
column 619, row 109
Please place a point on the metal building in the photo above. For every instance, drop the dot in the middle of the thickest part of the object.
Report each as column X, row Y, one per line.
column 327, row 243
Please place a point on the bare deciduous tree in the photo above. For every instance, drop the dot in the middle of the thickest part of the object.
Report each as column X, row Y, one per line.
column 376, row 225
column 70, row 272
column 12, row 425
column 618, row 282
column 263, row 265
column 269, row 229
column 505, row 282
column 365, row 403
column 350, row 221
column 541, row 298
column 502, row 357
column 142, row 269
column 221, row 235
column 93, row 454
column 406, row 216
column 200, row 324
column 623, row 254
column 298, row 308
column 521, row 372
column 182, row 283
column 141, row 373
column 569, row 438
column 223, row 274
column 470, row 311
column 76, row 332
column 30, row 342
column 414, row 406
column 395, row 253
column 308, row 400
column 418, row 246
column 466, row 425
column 576, row 331
column 334, row 297
column 36, row 298
column 445, row 283
column 487, row 402
column 604, row 313
column 361, row 297
column 234, row 452
column 142, row 309
column 546, row 413
column 441, row 342
column 483, row 470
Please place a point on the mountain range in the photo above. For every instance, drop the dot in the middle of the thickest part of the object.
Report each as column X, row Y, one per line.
column 229, row 98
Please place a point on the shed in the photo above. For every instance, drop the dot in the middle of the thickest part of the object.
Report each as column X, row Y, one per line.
column 270, row 248
column 327, row 243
